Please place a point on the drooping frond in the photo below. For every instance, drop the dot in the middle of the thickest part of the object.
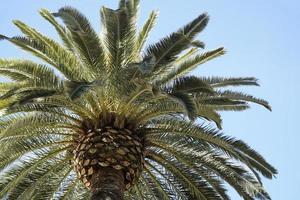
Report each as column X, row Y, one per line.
column 235, row 148
column 209, row 113
column 187, row 102
column 28, row 71
column 194, row 189
column 190, row 84
column 231, row 95
column 188, row 140
column 32, row 80
column 25, row 179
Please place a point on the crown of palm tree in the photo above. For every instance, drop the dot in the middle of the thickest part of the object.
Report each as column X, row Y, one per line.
column 160, row 120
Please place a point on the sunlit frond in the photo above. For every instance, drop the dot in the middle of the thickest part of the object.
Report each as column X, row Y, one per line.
column 147, row 27
column 84, row 37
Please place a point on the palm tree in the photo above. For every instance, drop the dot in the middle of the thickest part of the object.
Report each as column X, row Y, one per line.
column 103, row 118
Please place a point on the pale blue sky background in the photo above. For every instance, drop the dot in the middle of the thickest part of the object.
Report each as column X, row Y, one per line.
column 262, row 39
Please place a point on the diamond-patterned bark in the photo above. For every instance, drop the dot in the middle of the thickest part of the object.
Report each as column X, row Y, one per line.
column 118, row 148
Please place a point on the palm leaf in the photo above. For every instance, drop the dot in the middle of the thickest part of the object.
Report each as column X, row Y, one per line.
column 198, row 44
column 62, row 32
column 56, row 58
column 189, row 84
column 167, row 49
column 84, row 37
column 210, row 114
column 187, row 102
column 119, row 36
column 230, row 95
column 147, row 27
column 188, row 65
column 217, row 82
column 235, row 148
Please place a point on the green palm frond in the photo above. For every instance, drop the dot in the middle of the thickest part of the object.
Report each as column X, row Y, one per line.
column 158, row 189
column 166, row 50
column 231, row 95
column 167, row 180
column 186, row 55
column 189, row 153
column 117, row 34
column 189, row 64
column 217, row 82
column 187, row 102
column 198, row 44
column 224, row 104
column 76, row 89
column 131, row 8
column 147, row 27
column 190, row 84
column 53, row 55
column 84, row 37
column 62, row 31
column 195, row 191
column 235, row 148
column 29, row 173
column 24, row 70
column 209, row 113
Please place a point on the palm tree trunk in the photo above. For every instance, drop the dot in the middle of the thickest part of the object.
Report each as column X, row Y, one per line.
column 107, row 184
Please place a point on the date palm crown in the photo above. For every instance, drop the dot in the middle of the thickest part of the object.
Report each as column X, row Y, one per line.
column 103, row 116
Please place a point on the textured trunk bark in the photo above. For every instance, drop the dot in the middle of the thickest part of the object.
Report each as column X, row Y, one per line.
column 107, row 184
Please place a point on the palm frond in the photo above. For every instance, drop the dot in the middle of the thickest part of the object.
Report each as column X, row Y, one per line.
column 131, row 7
column 218, row 82
column 215, row 163
column 147, row 27
column 198, row 44
column 174, row 188
column 55, row 57
column 62, row 32
column 118, row 38
column 160, row 192
column 76, row 89
column 235, row 96
column 188, row 65
column 186, row 55
column 30, row 171
column 189, row 84
column 30, row 74
column 232, row 147
column 84, row 37
column 209, row 114
column 195, row 192
column 167, row 49
column 187, row 102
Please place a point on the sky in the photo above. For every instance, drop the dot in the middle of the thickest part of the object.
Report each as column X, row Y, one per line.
column 262, row 40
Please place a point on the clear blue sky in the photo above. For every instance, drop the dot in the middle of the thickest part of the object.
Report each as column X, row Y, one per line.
column 262, row 39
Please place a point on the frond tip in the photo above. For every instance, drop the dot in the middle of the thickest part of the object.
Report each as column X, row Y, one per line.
column 3, row 37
